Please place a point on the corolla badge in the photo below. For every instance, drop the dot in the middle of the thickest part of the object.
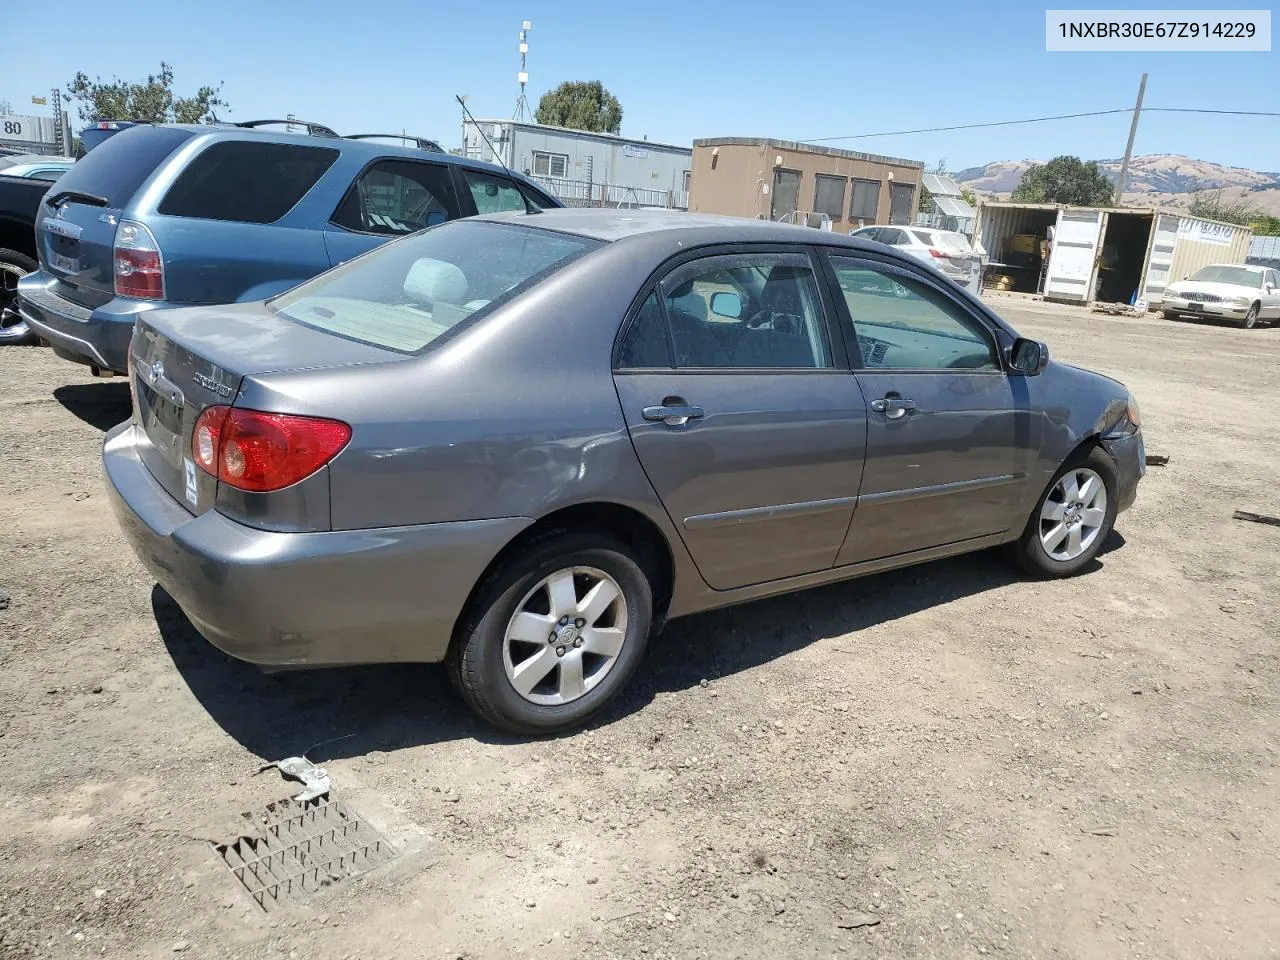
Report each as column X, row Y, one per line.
column 221, row 389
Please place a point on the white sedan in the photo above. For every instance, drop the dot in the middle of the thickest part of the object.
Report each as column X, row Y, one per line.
column 1232, row 291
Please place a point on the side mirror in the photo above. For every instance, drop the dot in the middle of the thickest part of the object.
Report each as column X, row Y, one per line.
column 728, row 305
column 1028, row 357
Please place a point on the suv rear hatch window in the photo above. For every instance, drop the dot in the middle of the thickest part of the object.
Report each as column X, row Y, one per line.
column 409, row 293
column 116, row 169
column 246, row 181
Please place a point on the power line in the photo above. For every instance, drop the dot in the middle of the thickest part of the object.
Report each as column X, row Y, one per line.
column 1230, row 113
column 1061, row 116
column 968, row 126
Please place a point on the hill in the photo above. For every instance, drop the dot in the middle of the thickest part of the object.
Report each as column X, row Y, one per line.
column 1160, row 180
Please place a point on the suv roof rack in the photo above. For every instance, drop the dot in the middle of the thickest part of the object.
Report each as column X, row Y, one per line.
column 314, row 129
column 422, row 143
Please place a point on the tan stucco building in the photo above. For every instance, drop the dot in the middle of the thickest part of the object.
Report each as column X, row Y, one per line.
column 771, row 179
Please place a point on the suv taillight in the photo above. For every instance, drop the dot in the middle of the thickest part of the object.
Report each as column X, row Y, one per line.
column 261, row 452
column 938, row 254
column 139, row 269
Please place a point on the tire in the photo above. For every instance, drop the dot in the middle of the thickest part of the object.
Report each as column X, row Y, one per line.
column 1251, row 318
column 483, row 660
column 13, row 329
column 1170, row 315
column 1029, row 551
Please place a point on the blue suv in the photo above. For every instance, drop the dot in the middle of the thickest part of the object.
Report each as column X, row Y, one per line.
column 161, row 216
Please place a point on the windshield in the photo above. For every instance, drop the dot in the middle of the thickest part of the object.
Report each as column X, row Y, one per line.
column 1237, row 275
column 408, row 293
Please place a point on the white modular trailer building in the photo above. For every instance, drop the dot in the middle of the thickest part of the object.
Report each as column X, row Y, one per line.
column 1119, row 255
column 586, row 169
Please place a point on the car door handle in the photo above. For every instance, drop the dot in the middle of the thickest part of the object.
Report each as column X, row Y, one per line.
column 893, row 407
column 673, row 414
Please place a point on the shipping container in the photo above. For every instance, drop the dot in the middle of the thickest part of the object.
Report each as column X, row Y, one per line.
column 1085, row 254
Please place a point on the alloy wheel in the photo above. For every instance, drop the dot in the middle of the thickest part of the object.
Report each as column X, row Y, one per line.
column 10, row 274
column 1073, row 514
column 565, row 636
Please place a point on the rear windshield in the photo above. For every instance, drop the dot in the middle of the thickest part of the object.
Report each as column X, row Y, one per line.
column 1236, row 275
column 410, row 292
column 117, row 168
column 246, row 181
column 924, row 236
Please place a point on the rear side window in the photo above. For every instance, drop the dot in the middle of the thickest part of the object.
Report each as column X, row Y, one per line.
column 246, row 181
column 117, row 168
column 925, row 237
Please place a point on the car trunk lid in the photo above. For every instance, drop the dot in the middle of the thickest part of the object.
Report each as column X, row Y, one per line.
column 185, row 360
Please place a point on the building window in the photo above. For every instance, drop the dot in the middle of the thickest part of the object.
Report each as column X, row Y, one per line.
column 828, row 196
column 550, row 164
column 865, row 200
column 688, row 180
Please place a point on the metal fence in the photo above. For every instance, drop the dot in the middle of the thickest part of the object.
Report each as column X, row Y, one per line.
column 584, row 193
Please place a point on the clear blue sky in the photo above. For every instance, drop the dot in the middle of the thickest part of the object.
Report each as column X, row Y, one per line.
column 686, row 69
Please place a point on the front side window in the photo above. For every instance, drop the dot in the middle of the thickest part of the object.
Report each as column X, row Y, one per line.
column 828, row 196
column 407, row 294
column 746, row 311
column 245, row 181
column 864, row 201
column 494, row 194
column 550, row 164
column 902, row 323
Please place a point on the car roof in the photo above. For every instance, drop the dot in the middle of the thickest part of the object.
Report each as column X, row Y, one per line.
column 1245, row 266
column 368, row 148
column 702, row 228
column 34, row 159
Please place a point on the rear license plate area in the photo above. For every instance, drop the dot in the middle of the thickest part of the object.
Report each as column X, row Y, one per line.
column 64, row 253
column 162, row 421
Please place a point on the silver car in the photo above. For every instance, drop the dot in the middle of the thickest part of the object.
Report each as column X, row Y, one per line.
column 520, row 443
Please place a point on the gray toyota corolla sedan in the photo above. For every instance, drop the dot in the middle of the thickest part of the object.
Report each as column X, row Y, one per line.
column 519, row 443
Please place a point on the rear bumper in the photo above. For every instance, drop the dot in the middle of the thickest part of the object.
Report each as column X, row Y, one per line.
column 302, row 599
column 1129, row 453
column 99, row 338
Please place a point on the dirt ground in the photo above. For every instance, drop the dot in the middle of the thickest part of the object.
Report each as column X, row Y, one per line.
column 942, row 762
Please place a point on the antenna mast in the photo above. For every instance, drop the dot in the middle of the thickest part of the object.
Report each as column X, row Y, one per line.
column 522, row 105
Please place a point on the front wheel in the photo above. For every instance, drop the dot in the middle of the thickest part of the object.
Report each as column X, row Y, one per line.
column 1072, row 519
column 1251, row 318
column 553, row 634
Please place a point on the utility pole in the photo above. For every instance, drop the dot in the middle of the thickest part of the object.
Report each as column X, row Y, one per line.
column 1128, row 149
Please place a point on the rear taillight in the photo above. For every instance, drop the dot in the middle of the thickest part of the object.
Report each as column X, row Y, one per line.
column 938, row 254
column 261, row 452
column 139, row 269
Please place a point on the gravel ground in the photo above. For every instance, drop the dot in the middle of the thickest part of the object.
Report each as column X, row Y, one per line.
column 942, row 762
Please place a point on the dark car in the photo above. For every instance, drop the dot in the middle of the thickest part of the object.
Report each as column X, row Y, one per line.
column 19, row 206
column 161, row 216
column 519, row 443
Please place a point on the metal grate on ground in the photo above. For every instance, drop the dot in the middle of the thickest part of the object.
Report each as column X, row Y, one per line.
column 299, row 848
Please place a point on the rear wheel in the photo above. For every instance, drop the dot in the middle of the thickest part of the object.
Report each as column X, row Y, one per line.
column 1170, row 315
column 553, row 634
column 13, row 266
column 1251, row 318
column 1072, row 519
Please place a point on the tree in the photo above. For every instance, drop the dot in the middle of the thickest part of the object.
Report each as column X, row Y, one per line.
column 1065, row 180
column 581, row 105
column 969, row 197
column 153, row 101
column 1213, row 205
